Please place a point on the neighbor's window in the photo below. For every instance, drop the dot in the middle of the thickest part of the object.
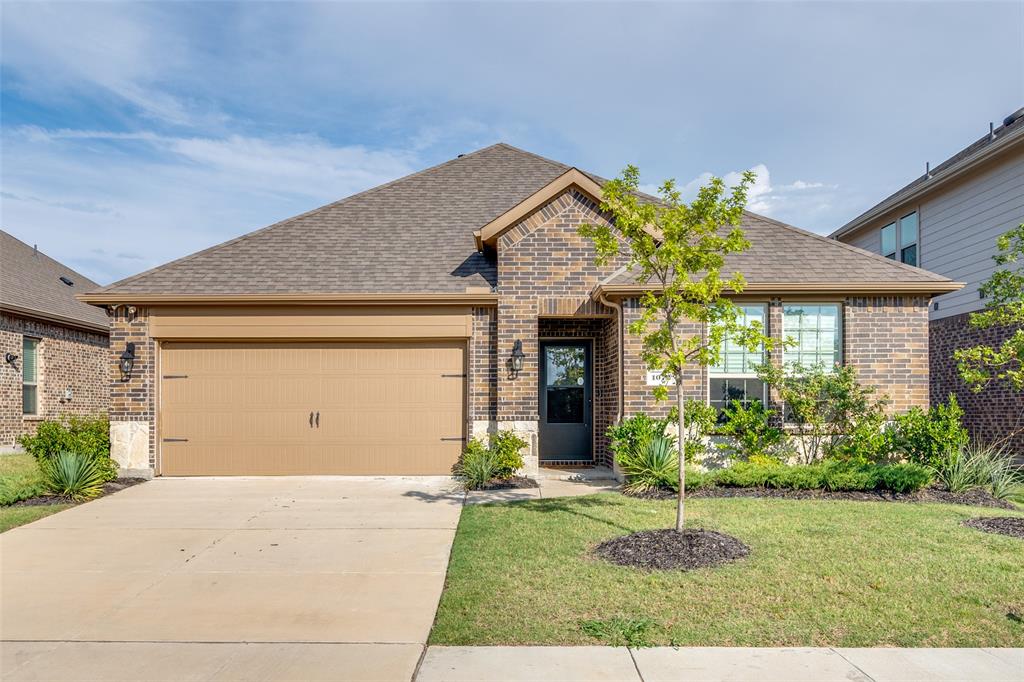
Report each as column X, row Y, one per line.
column 29, row 376
column 816, row 332
column 889, row 241
column 899, row 240
column 734, row 377
column 908, row 239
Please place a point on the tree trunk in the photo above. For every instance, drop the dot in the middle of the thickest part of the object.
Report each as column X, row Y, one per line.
column 681, row 502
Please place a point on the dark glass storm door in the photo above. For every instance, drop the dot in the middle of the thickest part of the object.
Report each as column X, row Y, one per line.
column 566, row 401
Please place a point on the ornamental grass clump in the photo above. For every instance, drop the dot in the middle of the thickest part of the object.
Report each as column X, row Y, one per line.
column 74, row 476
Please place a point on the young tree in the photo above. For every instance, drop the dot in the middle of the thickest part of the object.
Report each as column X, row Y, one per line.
column 1004, row 292
column 678, row 251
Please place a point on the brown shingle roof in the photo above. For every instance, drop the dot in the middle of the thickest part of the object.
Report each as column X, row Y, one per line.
column 783, row 254
column 415, row 235
column 30, row 285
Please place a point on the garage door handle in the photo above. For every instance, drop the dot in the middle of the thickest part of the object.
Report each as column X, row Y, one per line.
column 459, row 438
column 318, row 420
column 311, row 419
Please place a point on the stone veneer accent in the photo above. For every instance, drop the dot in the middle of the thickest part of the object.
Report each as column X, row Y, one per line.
column 132, row 401
column 992, row 415
column 68, row 358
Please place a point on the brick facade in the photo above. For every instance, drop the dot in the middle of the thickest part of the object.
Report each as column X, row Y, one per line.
column 133, row 400
column 992, row 415
column 69, row 359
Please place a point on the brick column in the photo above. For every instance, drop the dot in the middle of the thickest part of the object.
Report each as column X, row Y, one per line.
column 133, row 400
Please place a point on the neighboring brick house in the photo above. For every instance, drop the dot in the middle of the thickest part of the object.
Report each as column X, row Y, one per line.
column 53, row 347
column 375, row 334
column 947, row 221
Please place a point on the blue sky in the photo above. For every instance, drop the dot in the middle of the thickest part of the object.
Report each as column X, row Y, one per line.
column 137, row 133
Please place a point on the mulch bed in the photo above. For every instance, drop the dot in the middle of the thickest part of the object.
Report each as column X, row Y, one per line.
column 977, row 497
column 667, row 550
column 512, row 483
column 108, row 488
column 1003, row 525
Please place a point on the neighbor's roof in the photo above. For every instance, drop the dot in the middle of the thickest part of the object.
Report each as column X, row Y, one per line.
column 785, row 258
column 415, row 236
column 1001, row 139
column 30, row 286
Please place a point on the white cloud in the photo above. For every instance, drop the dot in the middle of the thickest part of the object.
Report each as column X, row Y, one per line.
column 112, row 204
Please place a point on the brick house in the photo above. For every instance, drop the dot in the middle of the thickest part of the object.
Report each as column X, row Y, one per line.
column 375, row 334
column 53, row 347
column 947, row 221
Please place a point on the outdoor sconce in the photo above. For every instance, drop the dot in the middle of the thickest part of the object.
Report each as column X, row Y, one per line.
column 9, row 358
column 516, row 361
column 127, row 361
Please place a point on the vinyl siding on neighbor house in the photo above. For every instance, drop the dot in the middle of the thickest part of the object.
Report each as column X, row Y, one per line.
column 958, row 230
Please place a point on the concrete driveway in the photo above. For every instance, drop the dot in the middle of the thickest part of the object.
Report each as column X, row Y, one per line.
column 230, row 578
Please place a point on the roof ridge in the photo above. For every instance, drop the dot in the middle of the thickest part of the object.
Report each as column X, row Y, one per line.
column 849, row 247
column 513, row 148
column 35, row 248
column 286, row 221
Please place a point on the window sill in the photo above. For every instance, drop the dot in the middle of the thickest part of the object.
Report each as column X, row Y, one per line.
column 32, row 418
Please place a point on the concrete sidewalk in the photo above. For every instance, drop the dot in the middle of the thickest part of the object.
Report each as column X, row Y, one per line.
column 667, row 664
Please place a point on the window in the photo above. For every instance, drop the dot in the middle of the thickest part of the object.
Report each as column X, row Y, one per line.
column 889, row 241
column 815, row 329
column 903, row 248
column 29, row 376
column 734, row 377
column 908, row 239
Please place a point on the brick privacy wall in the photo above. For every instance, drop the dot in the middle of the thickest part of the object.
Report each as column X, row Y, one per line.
column 134, row 399
column 483, row 366
column 540, row 258
column 886, row 339
column 68, row 358
column 992, row 415
column 605, row 370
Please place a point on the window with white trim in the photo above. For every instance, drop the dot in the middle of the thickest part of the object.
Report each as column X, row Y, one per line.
column 815, row 332
column 734, row 377
column 29, row 376
column 899, row 239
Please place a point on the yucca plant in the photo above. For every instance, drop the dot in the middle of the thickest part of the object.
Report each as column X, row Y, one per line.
column 478, row 465
column 651, row 464
column 74, row 476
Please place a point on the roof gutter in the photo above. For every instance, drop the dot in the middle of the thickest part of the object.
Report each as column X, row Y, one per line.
column 54, row 318
column 955, row 171
column 466, row 298
column 621, row 290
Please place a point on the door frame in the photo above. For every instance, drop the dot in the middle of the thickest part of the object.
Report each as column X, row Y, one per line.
column 588, row 343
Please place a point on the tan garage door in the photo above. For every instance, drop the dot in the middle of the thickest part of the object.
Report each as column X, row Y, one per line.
column 345, row 408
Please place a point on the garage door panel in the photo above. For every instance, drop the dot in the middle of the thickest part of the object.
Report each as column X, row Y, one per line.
column 244, row 408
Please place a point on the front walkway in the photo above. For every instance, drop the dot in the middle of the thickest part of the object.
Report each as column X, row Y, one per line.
column 666, row 664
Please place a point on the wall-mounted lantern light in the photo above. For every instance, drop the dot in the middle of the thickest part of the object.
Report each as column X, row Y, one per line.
column 127, row 361
column 516, row 361
column 9, row 358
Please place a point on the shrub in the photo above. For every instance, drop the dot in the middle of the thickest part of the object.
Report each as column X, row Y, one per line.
column 85, row 436
column 865, row 444
column 507, row 447
column 830, row 475
column 74, row 476
column 633, row 432
column 477, row 466
column 695, row 479
column 651, row 464
column 905, row 477
column 927, row 437
column 752, row 433
column 825, row 405
column 701, row 420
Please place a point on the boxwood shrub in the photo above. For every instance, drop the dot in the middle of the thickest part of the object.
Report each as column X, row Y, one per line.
column 828, row 475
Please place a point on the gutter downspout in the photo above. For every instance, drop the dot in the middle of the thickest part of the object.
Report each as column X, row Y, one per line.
column 620, row 323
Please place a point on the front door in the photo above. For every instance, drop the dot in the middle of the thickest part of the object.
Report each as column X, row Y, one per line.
column 566, row 401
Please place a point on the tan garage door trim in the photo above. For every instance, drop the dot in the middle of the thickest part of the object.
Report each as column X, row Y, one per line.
column 160, row 346
column 243, row 323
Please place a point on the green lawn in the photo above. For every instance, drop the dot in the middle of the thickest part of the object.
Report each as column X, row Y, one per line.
column 20, row 479
column 820, row 573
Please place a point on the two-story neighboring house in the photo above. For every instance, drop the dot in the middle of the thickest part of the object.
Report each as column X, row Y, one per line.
column 947, row 221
